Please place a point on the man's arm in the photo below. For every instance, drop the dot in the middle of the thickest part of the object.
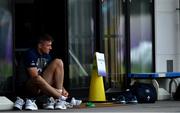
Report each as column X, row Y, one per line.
column 33, row 72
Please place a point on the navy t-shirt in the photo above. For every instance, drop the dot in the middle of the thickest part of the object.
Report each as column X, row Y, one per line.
column 34, row 59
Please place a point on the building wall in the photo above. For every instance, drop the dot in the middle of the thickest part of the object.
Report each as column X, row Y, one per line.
column 166, row 34
column 167, row 37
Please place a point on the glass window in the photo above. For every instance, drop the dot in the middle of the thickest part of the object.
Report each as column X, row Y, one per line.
column 6, row 63
column 81, row 42
column 114, row 41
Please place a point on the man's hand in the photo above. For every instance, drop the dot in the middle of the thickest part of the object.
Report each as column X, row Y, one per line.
column 33, row 72
column 65, row 93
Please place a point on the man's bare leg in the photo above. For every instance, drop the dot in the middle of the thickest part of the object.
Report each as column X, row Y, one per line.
column 38, row 84
column 51, row 82
column 54, row 74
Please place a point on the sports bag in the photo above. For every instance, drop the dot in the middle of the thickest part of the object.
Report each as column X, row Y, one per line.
column 144, row 92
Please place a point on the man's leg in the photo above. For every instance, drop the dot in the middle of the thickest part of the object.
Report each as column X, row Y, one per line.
column 31, row 88
column 54, row 75
column 51, row 82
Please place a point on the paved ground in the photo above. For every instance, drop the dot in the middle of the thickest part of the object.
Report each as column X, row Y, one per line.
column 159, row 106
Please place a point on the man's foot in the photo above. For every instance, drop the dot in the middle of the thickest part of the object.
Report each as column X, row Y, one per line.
column 49, row 104
column 63, row 98
column 30, row 105
column 18, row 105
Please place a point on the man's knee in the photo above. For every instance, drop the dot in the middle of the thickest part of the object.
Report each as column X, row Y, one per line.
column 58, row 62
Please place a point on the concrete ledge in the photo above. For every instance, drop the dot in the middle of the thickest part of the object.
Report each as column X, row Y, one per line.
column 5, row 103
column 163, row 94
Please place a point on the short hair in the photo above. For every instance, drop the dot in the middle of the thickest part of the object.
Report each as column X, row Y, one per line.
column 45, row 37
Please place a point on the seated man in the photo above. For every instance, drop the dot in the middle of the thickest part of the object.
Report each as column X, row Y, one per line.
column 46, row 76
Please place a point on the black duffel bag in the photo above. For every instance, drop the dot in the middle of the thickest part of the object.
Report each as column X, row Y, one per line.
column 145, row 93
column 176, row 96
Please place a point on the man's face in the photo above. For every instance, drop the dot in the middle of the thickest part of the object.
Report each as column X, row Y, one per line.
column 45, row 47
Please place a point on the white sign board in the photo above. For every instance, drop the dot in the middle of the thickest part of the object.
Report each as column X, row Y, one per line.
column 101, row 64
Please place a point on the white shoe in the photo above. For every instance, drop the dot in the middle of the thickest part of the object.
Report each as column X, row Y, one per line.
column 68, row 105
column 60, row 104
column 49, row 104
column 75, row 102
column 19, row 103
column 30, row 105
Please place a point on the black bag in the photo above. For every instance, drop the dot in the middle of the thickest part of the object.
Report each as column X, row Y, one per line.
column 145, row 93
column 176, row 96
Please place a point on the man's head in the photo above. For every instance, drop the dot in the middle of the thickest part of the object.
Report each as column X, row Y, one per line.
column 44, row 45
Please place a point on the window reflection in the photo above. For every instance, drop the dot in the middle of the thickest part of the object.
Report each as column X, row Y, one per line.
column 141, row 36
column 6, row 65
column 114, row 41
column 81, row 42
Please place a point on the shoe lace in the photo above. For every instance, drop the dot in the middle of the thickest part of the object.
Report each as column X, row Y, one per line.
column 69, row 105
column 19, row 100
column 33, row 101
column 51, row 100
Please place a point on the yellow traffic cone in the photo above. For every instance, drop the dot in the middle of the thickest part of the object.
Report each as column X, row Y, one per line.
column 96, row 91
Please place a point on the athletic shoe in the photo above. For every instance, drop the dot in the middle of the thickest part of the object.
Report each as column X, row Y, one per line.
column 75, row 102
column 49, row 104
column 18, row 105
column 60, row 104
column 30, row 105
column 121, row 100
column 132, row 100
column 68, row 105
column 129, row 97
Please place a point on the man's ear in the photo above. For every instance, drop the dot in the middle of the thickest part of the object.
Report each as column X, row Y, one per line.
column 39, row 45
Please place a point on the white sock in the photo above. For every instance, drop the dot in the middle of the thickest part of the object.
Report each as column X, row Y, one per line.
column 63, row 97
